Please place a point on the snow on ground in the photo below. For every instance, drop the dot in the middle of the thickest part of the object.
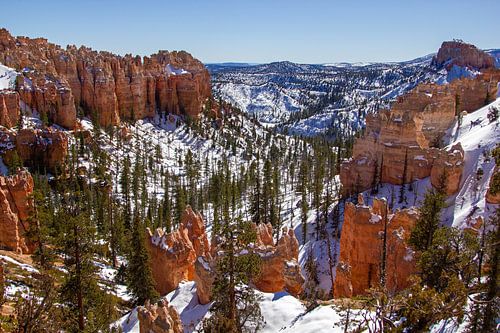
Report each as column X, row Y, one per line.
column 478, row 137
column 24, row 267
column 7, row 77
column 282, row 313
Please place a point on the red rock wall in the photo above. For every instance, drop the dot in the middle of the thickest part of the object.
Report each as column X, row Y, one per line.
column 462, row 54
column 9, row 108
column 173, row 255
column 361, row 245
column 159, row 318
column 415, row 122
column 46, row 149
column 15, row 210
column 60, row 82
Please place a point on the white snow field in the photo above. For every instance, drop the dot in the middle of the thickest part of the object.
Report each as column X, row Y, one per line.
column 7, row 77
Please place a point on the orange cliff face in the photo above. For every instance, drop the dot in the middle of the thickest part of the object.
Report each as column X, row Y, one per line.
column 462, row 54
column 173, row 254
column 15, row 211
column 279, row 271
column 186, row 254
column 37, row 148
column 65, row 82
column 361, row 248
column 407, row 132
column 9, row 108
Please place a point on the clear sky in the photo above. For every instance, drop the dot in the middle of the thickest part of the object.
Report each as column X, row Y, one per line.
column 305, row 31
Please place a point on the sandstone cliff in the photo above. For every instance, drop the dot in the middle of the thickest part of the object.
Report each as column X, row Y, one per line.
column 279, row 269
column 15, row 210
column 43, row 149
column 361, row 247
column 462, row 54
column 9, row 108
column 173, row 255
column 159, row 318
column 407, row 133
column 63, row 83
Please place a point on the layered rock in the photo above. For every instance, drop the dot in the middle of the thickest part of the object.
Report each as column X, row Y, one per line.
column 9, row 108
column 37, row 148
column 407, row 133
column 462, row 54
column 361, row 248
column 15, row 210
column 279, row 269
column 64, row 82
column 159, row 318
column 173, row 254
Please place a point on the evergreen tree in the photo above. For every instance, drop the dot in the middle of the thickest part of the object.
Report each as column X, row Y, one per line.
column 88, row 307
column 139, row 276
column 235, row 308
column 430, row 213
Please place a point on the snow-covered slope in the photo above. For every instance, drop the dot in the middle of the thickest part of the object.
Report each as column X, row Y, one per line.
column 313, row 99
column 282, row 313
column 478, row 138
column 7, row 77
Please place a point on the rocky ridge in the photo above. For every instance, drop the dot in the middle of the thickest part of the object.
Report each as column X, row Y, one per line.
column 185, row 254
column 409, row 133
column 458, row 53
column 65, row 83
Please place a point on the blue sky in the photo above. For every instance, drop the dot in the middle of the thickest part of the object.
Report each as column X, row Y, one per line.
column 307, row 31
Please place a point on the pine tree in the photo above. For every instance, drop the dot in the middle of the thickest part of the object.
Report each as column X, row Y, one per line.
column 125, row 184
column 139, row 276
column 15, row 164
column 430, row 213
column 235, row 308
column 88, row 307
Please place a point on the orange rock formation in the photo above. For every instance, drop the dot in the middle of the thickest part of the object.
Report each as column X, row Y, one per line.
column 361, row 248
column 462, row 54
column 64, row 82
column 46, row 149
column 416, row 122
column 279, row 270
column 159, row 318
column 9, row 108
column 15, row 211
column 173, row 255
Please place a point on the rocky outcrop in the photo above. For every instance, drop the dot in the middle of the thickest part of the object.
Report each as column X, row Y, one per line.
column 279, row 266
column 408, row 132
column 280, row 269
column 186, row 254
column 64, row 82
column 9, row 108
column 361, row 248
column 15, row 210
column 37, row 148
column 173, row 254
column 159, row 318
column 462, row 54
column 204, row 277
column 447, row 168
